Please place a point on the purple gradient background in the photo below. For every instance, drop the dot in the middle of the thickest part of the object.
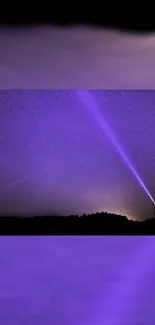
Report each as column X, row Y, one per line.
column 77, row 280
column 80, row 280
column 55, row 158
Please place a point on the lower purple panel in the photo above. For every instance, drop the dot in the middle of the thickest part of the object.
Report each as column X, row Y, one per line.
column 77, row 280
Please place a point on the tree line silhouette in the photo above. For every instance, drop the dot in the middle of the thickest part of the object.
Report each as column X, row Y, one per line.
column 91, row 224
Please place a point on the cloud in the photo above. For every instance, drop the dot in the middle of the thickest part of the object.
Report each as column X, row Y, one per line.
column 79, row 57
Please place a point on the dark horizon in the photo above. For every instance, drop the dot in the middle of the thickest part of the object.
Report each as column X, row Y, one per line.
column 69, row 17
column 55, row 215
column 58, row 159
column 92, row 224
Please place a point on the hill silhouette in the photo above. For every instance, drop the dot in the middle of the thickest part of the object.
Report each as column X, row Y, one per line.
column 92, row 224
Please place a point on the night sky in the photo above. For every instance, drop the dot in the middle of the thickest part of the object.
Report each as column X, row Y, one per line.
column 56, row 159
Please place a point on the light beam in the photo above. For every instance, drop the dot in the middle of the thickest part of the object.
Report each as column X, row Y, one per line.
column 89, row 102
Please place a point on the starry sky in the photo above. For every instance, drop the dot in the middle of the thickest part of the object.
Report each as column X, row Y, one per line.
column 56, row 159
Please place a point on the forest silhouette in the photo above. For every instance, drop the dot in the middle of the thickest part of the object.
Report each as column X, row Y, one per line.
column 91, row 224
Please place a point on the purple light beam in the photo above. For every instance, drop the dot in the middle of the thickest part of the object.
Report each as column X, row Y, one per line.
column 89, row 102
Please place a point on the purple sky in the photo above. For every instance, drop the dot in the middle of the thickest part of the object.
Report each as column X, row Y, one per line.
column 55, row 158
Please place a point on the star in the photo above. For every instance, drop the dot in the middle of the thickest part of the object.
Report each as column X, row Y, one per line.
column 71, row 164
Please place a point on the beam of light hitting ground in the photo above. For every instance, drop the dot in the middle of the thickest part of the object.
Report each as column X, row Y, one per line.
column 89, row 102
